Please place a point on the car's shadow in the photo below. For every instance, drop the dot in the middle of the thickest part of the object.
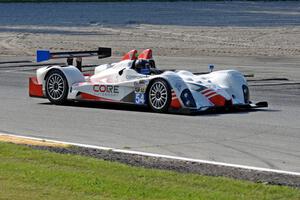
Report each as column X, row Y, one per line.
column 103, row 105
column 145, row 109
column 217, row 112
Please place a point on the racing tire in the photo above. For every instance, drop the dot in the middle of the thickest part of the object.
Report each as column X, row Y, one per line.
column 159, row 96
column 56, row 87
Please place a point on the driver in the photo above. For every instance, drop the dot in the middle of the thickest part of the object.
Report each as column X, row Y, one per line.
column 145, row 67
column 142, row 66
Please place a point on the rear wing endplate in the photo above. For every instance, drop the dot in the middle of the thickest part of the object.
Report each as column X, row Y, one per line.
column 43, row 55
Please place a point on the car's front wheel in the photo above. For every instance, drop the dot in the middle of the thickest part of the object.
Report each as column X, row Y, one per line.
column 56, row 87
column 159, row 96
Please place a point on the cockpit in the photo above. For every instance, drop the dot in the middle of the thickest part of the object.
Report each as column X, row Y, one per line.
column 143, row 66
column 143, row 63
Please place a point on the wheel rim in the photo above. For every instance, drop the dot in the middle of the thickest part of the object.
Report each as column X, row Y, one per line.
column 55, row 86
column 158, row 95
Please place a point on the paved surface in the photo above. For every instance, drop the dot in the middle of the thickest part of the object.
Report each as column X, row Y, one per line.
column 266, row 138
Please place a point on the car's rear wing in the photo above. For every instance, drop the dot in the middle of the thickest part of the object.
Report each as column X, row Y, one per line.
column 43, row 55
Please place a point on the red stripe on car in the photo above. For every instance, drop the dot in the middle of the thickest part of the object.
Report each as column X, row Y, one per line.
column 175, row 103
column 209, row 93
column 218, row 100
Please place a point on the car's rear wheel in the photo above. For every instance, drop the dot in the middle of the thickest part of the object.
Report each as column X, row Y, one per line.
column 159, row 96
column 56, row 87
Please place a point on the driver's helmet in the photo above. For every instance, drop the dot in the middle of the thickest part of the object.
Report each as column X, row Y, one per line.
column 142, row 66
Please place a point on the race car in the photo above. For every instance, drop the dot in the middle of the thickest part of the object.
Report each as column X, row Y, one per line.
column 136, row 80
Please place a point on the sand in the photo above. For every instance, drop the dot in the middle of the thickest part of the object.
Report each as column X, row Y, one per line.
column 270, row 52
column 164, row 40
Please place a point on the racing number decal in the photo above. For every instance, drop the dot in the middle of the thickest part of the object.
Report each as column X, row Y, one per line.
column 139, row 90
column 140, row 98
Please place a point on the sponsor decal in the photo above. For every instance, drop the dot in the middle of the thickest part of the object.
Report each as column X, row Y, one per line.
column 140, row 89
column 140, row 86
column 108, row 90
column 140, row 98
column 133, row 77
column 136, row 84
column 143, row 82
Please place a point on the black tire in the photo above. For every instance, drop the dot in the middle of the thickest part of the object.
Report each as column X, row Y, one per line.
column 56, row 87
column 159, row 96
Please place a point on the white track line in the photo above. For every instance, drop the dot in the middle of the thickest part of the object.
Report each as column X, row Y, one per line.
column 159, row 155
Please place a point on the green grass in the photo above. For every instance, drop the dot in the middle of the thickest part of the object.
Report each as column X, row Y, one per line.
column 34, row 174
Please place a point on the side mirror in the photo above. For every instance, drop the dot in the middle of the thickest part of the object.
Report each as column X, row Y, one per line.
column 211, row 67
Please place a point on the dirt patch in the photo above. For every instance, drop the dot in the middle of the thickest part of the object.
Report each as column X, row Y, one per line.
column 31, row 142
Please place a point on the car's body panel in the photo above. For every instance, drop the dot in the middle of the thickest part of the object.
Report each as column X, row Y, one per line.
column 120, row 83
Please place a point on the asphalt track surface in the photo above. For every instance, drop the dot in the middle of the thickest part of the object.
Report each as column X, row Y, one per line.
column 268, row 138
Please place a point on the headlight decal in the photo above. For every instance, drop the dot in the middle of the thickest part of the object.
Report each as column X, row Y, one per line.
column 246, row 94
column 187, row 98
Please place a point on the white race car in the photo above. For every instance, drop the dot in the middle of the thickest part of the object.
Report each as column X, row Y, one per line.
column 136, row 80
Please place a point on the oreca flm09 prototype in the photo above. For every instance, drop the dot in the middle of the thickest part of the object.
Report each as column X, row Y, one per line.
column 136, row 80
